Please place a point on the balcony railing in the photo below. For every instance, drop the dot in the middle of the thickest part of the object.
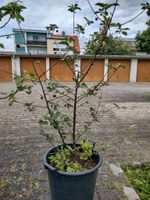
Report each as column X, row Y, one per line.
column 36, row 42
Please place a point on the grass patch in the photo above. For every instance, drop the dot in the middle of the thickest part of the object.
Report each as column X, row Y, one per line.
column 140, row 179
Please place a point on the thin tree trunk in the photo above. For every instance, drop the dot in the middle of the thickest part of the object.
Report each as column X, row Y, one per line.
column 75, row 116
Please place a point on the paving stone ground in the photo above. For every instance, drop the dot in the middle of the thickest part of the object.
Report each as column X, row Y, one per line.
column 122, row 135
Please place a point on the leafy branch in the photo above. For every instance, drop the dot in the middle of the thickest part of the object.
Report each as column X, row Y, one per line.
column 71, row 98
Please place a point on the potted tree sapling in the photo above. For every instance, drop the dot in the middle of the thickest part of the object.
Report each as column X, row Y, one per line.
column 72, row 165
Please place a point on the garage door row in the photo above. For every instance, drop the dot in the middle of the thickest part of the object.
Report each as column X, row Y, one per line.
column 59, row 71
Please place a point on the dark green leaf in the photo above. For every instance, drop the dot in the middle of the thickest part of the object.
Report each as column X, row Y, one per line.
column 124, row 33
column 89, row 22
column 83, row 85
column 80, row 29
column 1, row 46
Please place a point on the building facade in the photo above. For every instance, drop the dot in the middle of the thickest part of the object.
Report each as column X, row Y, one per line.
column 41, row 42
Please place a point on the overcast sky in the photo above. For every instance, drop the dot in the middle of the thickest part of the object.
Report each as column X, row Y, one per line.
column 40, row 13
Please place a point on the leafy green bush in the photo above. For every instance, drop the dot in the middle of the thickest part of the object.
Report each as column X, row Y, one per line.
column 140, row 179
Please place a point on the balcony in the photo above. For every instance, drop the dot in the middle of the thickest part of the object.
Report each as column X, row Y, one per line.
column 36, row 42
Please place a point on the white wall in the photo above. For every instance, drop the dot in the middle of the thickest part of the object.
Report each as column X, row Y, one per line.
column 15, row 66
column 133, row 70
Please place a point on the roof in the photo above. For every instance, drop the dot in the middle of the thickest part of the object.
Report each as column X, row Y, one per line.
column 137, row 56
column 30, row 30
column 6, row 53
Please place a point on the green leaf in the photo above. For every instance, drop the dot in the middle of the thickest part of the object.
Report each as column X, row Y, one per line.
column 100, row 4
column 89, row 22
column 146, row 6
column 12, row 98
column 32, row 77
column 19, row 80
column 83, row 85
column 1, row 14
column 105, row 6
column 80, row 29
column 43, row 121
column 49, row 136
column 65, row 42
column 1, row 46
column 52, row 86
column 30, row 106
column 124, row 33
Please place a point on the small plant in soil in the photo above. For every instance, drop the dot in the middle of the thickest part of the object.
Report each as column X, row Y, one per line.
column 71, row 159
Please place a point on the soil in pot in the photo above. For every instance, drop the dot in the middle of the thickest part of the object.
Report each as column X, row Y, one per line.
column 77, row 159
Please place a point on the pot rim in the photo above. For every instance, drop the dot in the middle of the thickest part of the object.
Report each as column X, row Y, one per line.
column 48, row 166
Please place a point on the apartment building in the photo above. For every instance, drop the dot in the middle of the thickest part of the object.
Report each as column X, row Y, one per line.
column 41, row 42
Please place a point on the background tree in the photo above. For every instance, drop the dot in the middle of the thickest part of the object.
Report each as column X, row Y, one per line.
column 143, row 39
column 11, row 10
column 111, row 46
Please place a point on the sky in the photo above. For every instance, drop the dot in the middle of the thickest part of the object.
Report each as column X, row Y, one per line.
column 40, row 13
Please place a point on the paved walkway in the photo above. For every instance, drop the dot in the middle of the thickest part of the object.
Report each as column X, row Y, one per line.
column 122, row 135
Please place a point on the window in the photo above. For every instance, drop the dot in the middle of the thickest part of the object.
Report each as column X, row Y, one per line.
column 42, row 37
column 35, row 37
column 63, row 49
column 35, row 50
column 59, row 47
column 55, row 49
column 19, row 38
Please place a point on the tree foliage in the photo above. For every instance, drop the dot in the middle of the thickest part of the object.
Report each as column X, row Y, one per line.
column 143, row 40
column 113, row 46
column 12, row 10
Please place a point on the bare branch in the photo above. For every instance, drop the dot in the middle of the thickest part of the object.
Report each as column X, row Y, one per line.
column 6, row 23
column 6, row 35
column 133, row 18
column 93, row 10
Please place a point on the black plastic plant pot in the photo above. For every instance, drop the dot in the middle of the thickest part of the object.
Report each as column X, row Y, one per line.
column 71, row 186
